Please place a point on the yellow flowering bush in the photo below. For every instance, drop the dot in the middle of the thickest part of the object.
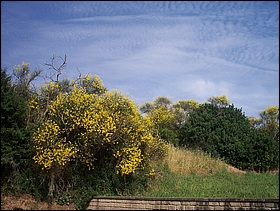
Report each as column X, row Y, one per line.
column 92, row 84
column 163, row 116
column 52, row 149
column 88, row 126
column 33, row 104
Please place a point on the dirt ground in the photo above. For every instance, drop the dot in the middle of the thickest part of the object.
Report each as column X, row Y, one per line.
column 27, row 202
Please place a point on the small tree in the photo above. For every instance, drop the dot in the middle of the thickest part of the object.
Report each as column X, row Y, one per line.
column 221, row 101
column 183, row 108
column 268, row 122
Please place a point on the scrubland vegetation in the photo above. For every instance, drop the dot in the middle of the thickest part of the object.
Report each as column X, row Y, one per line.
column 70, row 140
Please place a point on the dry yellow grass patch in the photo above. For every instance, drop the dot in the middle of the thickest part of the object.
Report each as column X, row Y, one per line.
column 186, row 162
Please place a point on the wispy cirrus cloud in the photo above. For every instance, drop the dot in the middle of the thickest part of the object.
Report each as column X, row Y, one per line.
column 182, row 50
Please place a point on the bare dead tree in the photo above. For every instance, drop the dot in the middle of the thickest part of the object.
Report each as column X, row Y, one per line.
column 56, row 69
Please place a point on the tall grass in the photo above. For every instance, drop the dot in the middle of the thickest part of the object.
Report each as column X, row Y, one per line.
column 186, row 162
column 195, row 174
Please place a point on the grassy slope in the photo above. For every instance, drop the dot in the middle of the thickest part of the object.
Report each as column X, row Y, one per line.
column 196, row 174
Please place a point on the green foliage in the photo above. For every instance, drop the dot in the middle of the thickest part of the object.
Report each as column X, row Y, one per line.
column 87, row 183
column 15, row 149
column 226, row 133
column 13, row 106
column 18, row 172
column 264, row 153
column 65, row 198
column 25, row 180
column 103, row 180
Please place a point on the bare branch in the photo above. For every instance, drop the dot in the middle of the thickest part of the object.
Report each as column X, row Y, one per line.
column 56, row 69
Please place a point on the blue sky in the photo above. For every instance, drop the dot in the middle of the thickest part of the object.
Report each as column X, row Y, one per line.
column 180, row 50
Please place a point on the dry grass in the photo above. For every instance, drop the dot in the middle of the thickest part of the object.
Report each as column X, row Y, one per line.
column 186, row 162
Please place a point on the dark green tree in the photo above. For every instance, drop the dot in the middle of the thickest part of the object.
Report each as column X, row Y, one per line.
column 17, row 167
column 15, row 151
column 225, row 132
